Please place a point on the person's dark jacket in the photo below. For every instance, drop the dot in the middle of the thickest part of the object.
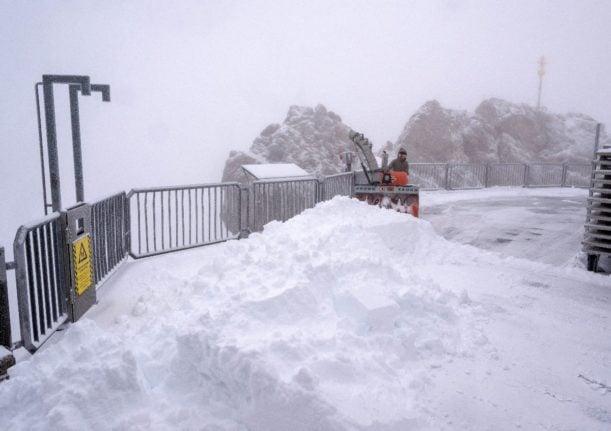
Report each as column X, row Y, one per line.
column 399, row 165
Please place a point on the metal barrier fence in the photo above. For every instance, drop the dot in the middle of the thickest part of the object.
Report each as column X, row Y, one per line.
column 577, row 175
column 152, row 221
column 505, row 174
column 338, row 184
column 42, row 279
column 281, row 200
column 110, row 223
column 544, row 175
column 168, row 219
column 466, row 176
column 434, row 176
column 429, row 176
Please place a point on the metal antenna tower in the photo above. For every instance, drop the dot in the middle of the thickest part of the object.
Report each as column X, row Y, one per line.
column 540, row 72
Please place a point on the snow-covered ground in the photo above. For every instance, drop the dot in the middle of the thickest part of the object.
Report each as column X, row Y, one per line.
column 346, row 317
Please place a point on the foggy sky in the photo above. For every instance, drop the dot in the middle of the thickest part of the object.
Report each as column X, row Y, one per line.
column 191, row 80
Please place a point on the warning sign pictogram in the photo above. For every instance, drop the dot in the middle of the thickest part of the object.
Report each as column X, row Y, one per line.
column 83, row 269
column 82, row 254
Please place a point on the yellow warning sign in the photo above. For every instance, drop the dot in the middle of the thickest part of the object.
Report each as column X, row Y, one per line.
column 83, row 269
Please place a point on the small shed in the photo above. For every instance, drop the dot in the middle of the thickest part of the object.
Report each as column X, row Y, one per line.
column 275, row 171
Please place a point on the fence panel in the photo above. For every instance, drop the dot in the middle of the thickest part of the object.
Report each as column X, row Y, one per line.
column 110, row 225
column 281, row 200
column 506, row 174
column 577, row 175
column 429, row 176
column 168, row 219
column 466, row 176
column 338, row 184
column 544, row 175
column 42, row 283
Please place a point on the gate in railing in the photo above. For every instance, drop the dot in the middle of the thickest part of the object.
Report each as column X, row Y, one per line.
column 44, row 274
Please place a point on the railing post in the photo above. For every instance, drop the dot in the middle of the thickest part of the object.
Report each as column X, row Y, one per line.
column 565, row 168
column 525, row 179
column 244, row 216
column 447, row 177
column 486, row 175
column 320, row 192
column 5, row 315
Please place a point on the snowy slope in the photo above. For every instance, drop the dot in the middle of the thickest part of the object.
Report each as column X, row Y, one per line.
column 346, row 317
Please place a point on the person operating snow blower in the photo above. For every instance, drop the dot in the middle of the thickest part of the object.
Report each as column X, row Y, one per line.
column 400, row 164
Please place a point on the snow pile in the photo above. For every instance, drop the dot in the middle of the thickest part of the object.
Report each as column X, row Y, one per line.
column 346, row 317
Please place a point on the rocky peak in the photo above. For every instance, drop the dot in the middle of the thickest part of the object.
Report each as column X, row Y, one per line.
column 498, row 131
column 312, row 138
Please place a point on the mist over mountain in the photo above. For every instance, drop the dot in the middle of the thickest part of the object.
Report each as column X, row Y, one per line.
column 498, row 131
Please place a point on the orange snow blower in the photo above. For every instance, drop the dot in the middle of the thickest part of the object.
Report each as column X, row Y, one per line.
column 380, row 186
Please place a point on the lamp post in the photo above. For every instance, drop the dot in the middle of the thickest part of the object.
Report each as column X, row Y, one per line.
column 76, row 83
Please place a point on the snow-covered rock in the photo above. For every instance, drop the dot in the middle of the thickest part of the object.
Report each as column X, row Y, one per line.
column 498, row 131
column 312, row 138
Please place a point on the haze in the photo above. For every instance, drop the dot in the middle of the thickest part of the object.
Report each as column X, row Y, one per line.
column 192, row 80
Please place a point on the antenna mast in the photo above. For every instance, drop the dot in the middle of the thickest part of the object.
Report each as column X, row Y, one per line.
column 540, row 72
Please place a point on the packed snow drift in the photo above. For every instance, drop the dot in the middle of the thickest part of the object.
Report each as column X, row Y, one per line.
column 346, row 317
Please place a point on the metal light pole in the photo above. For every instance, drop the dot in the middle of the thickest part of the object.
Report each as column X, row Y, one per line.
column 76, row 83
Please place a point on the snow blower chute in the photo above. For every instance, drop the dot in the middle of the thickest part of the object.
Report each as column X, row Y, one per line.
column 379, row 185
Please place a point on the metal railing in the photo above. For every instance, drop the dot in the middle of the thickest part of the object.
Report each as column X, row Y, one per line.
column 429, row 176
column 544, row 175
column 577, row 175
column 41, row 274
column 466, row 176
column 338, row 184
column 166, row 219
column 281, row 200
column 110, row 224
column 152, row 221
column 434, row 176
column 505, row 174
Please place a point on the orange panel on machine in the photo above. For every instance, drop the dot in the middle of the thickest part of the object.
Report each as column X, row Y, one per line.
column 398, row 178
